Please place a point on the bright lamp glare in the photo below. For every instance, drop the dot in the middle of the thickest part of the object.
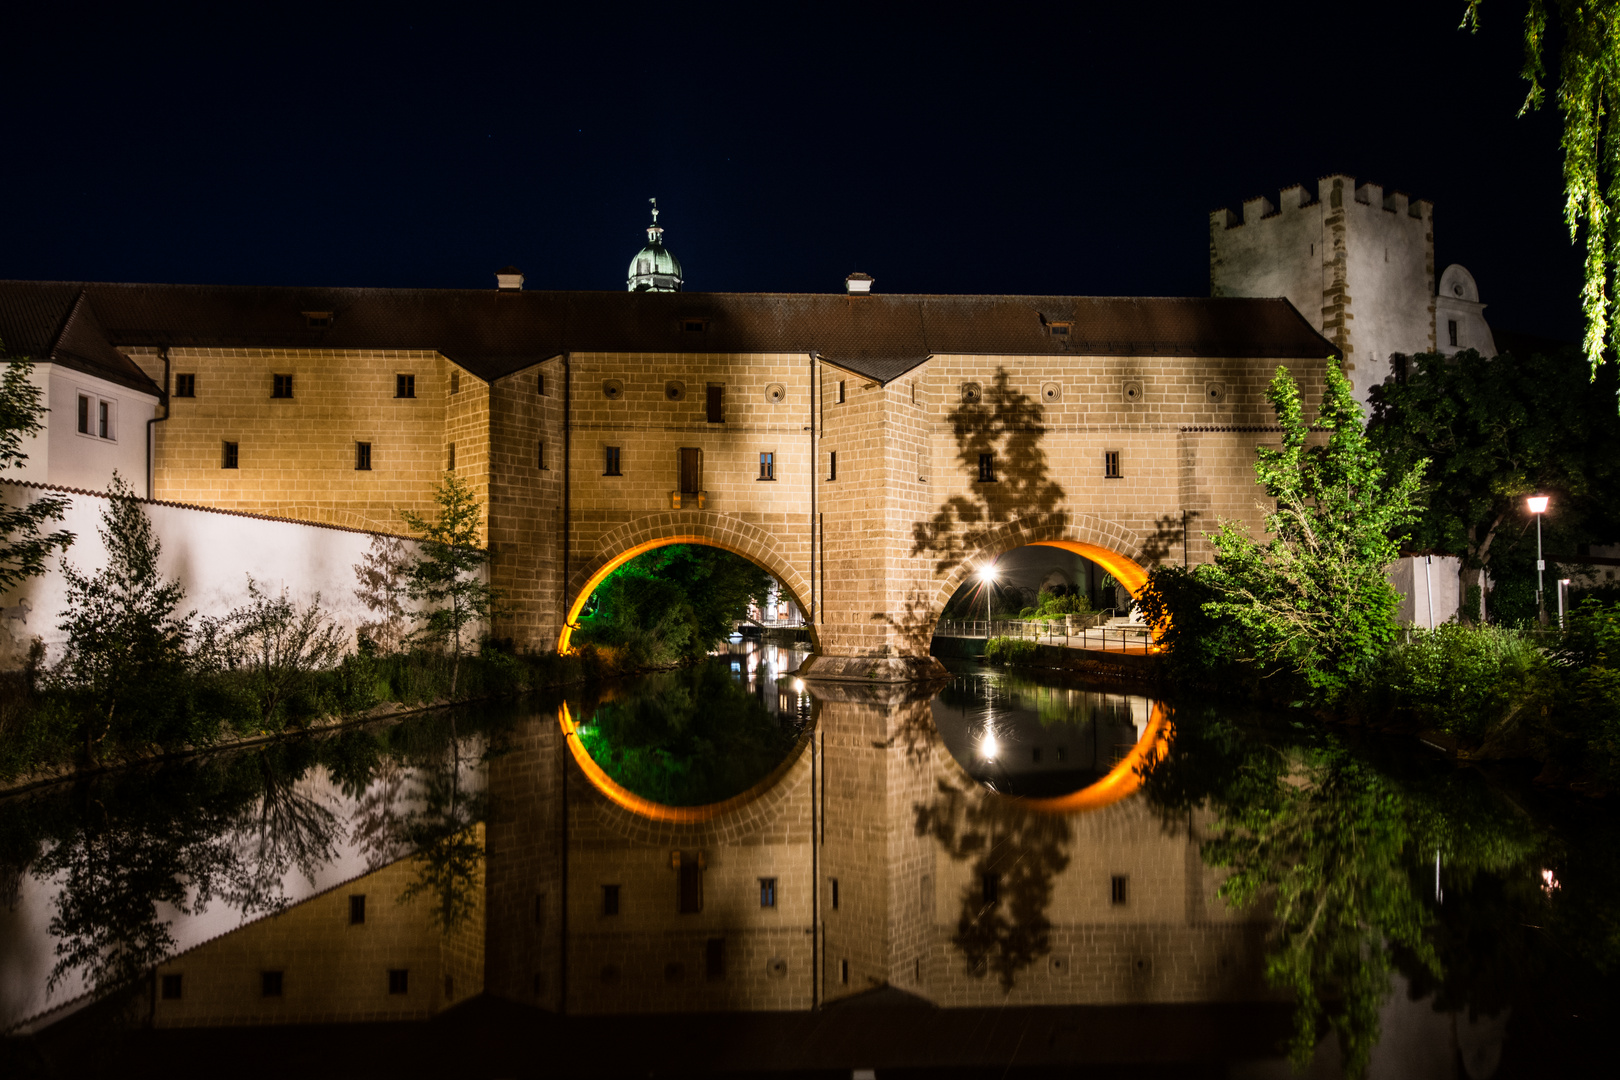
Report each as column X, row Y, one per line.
column 988, row 573
column 988, row 747
column 798, row 686
column 1537, row 503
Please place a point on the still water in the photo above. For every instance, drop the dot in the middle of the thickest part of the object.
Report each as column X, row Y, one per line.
column 727, row 871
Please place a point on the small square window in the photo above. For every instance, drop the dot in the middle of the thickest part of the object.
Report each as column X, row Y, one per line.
column 610, row 461
column 455, row 382
column 714, row 404
column 317, row 320
column 767, row 892
column 357, row 910
column 1118, row 889
column 281, row 386
column 832, row 465
column 104, row 416
column 404, row 386
column 229, row 460
column 84, row 415
column 767, row 465
column 693, row 326
column 714, row 959
column 171, row 988
column 270, row 984
column 185, row 385
column 990, row 888
column 540, row 384
column 1062, row 754
column 840, row 391
column 362, row 456
column 1111, row 468
column 987, row 468
column 540, row 460
column 399, row 980
column 1059, row 329
column 843, row 972
column 835, row 894
column 1451, row 330
column 450, row 459
column 1035, row 755
column 610, row 899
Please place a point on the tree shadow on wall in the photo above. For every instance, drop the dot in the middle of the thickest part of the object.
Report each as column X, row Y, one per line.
column 1016, row 854
column 1006, row 425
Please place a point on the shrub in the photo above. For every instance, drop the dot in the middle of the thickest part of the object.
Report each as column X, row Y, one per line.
column 1006, row 650
column 1467, row 680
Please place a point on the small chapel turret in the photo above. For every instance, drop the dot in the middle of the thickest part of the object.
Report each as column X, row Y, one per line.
column 655, row 268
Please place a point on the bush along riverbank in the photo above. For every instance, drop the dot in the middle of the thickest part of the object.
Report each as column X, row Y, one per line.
column 1307, row 618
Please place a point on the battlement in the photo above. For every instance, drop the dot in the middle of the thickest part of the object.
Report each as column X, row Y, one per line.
column 1329, row 189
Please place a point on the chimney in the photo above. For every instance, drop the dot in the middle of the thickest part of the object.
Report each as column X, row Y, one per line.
column 858, row 283
column 508, row 279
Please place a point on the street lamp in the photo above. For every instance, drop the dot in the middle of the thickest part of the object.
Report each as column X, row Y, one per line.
column 1538, row 506
column 987, row 575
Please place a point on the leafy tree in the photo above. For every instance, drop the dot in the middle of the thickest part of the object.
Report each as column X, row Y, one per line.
column 1493, row 430
column 1589, row 99
column 675, row 603
column 381, row 578
column 444, row 576
column 24, row 545
column 126, row 659
column 277, row 644
column 1314, row 596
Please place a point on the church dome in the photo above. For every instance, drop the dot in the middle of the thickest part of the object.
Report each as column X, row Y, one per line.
column 655, row 268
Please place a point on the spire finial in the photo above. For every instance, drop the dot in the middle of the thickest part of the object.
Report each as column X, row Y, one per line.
column 655, row 210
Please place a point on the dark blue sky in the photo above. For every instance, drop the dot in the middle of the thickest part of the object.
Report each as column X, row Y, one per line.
column 1070, row 149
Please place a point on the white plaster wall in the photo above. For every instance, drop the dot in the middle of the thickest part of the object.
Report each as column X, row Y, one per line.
column 37, row 447
column 210, row 552
column 1458, row 299
column 1271, row 253
column 87, row 461
column 1430, row 587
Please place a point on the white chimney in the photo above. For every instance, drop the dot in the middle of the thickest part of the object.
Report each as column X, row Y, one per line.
column 509, row 278
column 858, row 283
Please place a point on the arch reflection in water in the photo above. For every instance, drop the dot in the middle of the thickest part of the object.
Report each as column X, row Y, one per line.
column 1038, row 740
column 687, row 744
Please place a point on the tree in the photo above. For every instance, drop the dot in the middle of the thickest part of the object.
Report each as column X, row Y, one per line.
column 381, row 577
column 126, row 642
column 1492, row 431
column 444, row 574
column 1314, row 596
column 24, row 545
column 675, row 603
column 280, row 645
column 1589, row 99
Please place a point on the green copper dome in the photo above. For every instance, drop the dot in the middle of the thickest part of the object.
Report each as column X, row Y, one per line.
column 655, row 268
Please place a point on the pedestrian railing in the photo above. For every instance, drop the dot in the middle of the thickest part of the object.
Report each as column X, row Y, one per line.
column 1076, row 631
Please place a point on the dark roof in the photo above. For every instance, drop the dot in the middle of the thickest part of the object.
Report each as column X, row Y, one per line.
column 494, row 332
column 56, row 322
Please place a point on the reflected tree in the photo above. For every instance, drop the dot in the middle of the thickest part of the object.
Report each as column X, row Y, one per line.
column 449, row 846
column 1016, row 854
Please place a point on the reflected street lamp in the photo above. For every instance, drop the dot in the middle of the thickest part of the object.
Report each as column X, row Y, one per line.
column 988, row 576
column 1538, row 506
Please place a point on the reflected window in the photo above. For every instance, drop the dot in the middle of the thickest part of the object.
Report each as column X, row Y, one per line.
column 691, row 886
column 987, row 468
column 357, row 910
column 714, row 959
column 399, row 980
column 990, row 885
column 610, row 899
column 270, row 984
column 1118, row 886
column 835, row 894
column 171, row 988
column 843, row 972
column 767, row 892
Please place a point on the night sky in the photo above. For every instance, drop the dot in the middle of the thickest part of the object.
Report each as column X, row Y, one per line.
column 997, row 149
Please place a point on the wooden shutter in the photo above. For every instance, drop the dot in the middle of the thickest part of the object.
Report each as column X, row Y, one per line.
column 716, row 402
column 691, row 470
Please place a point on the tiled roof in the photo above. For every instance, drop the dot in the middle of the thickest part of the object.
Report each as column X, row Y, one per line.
column 493, row 333
column 57, row 322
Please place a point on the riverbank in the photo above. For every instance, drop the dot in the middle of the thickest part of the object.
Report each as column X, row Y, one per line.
column 1137, row 667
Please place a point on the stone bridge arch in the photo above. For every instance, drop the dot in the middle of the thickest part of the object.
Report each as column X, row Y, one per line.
column 623, row 543
column 1106, row 543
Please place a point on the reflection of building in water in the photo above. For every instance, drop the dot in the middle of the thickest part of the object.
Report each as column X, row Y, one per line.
column 355, row 952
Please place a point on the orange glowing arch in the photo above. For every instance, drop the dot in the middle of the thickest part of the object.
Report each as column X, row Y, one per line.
column 1125, row 571
column 564, row 639
column 680, row 815
column 1120, row 781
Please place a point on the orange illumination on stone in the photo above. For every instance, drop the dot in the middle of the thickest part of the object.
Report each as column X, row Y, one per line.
column 1125, row 571
column 1122, row 780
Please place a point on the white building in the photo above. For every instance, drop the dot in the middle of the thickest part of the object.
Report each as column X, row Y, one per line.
column 100, row 403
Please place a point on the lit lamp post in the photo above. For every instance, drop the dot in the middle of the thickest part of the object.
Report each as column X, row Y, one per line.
column 988, row 576
column 1538, row 506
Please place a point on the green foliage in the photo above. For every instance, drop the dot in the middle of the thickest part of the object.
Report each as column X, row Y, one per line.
column 1493, row 430
column 1463, row 680
column 688, row 737
column 277, row 646
column 24, row 545
column 673, row 604
column 444, row 577
column 126, row 663
column 1007, row 650
column 1049, row 605
column 1313, row 599
column 1588, row 96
